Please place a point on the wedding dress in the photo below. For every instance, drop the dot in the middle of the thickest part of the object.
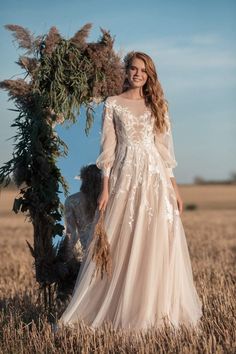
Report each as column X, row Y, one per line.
column 151, row 271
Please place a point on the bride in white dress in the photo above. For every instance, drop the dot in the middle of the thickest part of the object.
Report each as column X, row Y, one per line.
column 151, row 278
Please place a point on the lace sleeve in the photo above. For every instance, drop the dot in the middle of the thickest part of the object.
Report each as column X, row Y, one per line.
column 71, row 227
column 165, row 146
column 108, row 140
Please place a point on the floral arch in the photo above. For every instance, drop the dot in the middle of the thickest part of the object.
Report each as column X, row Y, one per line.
column 60, row 76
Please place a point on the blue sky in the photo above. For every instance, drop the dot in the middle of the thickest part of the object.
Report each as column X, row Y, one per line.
column 193, row 46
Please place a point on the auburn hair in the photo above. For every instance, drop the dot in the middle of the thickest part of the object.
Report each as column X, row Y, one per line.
column 152, row 90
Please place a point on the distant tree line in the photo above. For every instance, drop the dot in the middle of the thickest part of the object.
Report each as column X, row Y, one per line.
column 230, row 180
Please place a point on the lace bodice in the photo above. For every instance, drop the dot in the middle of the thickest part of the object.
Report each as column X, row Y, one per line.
column 128, row 122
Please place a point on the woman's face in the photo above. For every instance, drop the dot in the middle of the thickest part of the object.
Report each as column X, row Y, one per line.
column 136, row 73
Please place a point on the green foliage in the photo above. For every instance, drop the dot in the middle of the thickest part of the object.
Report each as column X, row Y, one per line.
column 63, row 81
column 61, row 75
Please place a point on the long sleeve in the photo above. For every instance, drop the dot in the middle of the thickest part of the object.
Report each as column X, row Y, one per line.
column 71, row 227
column 165, row 146
column 108, row 140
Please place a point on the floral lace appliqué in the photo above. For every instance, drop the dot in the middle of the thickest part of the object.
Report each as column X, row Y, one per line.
column 136, row 162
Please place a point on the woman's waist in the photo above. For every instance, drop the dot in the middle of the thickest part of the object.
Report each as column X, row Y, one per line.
column 136, row 144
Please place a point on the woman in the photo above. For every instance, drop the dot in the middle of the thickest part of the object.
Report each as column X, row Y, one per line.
column 151, row 278
column 79, row 214
column 80, row 207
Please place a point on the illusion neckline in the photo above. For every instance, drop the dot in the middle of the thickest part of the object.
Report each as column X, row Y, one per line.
column 132, row 99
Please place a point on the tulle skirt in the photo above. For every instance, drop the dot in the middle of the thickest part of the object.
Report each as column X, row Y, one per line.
column 151, row 278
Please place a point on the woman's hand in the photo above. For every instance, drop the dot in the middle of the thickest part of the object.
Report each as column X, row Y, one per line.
column 103, row 199
column 178, row 197
column 180, row 203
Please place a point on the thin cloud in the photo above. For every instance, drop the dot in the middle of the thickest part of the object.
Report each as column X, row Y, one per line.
column 189, row 52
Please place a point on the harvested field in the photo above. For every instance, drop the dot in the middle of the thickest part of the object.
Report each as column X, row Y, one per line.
column 210, row 229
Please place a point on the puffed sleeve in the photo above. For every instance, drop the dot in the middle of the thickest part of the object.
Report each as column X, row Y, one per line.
column 165, row 146
column 108, row 140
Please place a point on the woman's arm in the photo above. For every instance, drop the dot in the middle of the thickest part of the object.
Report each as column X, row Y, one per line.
column 103, row 197
column 165, row 146
column 107, row 152
column 177, row 193
column 71, row 228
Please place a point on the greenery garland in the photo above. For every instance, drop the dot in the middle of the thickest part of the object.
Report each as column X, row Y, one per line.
column 61, row 75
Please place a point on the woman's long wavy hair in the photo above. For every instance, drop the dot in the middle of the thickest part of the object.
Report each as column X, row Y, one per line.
column 152, row 90
column 91, row 178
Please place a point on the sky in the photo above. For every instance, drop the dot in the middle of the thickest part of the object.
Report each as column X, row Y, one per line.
column 193, row 47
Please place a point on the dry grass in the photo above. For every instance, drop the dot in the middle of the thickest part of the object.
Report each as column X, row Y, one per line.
column 210, row 232
column 210, row 196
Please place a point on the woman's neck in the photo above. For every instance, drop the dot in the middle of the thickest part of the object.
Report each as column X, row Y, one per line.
column 134, row 93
